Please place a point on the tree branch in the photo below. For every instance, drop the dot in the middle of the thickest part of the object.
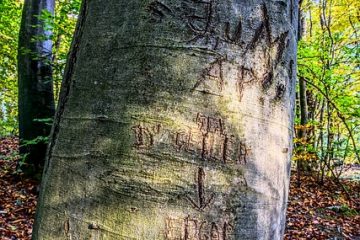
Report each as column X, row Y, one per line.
column 340, row 115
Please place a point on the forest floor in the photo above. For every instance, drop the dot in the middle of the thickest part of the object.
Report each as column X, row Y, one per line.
column 315, row 211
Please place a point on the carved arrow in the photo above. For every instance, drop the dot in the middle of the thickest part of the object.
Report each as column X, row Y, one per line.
column 202, row 201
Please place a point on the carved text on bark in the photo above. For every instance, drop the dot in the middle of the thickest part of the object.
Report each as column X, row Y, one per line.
column 209, row 140
column 203, row 200
column 212, row 142
column 144, row 135
column 212, row 79
column 192, row 228
column 200, row 18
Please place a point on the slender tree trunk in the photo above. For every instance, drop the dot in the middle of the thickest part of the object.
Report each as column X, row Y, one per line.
column 36, row 100
column 302, row 165
column 174, row 122
column 321, row 143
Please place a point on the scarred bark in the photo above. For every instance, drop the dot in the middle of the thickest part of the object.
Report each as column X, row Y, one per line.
column 175, row 122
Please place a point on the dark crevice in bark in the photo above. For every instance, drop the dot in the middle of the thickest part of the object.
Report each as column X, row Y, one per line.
column 281, row 47
column 67, row 81
column 264, row 29
column 291, row 11
column 267, row 81
column 280, row 91
column 267, row 22
column 201, row 191
column 257, row 37
column 159, row 10
column 237, row 33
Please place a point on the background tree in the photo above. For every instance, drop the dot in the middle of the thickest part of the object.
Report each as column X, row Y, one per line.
column 328, row 64
column 174, row 122
column 66, row 13
column 62, row 25
column 36, row 99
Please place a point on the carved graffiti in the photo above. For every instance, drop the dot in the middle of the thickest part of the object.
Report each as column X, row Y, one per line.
column 281, row 45
column 245, row 76
column 144, row 135
column 173, row 228
column 212, row 78
column 192, row 228
column 201, row 20
column 202, row 201
column 199, row 17
column 243, row 153
column 182, row 141
column 158, row 11
column 236, row 36
column 211, row 142
column 263, row 29
column 209, row 124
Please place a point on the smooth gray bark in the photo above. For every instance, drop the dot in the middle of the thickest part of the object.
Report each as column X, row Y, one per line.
column 174, row 122
column 36, row 99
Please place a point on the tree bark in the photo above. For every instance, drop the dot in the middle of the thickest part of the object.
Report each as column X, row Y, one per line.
column 174, row 122
column 36, row 100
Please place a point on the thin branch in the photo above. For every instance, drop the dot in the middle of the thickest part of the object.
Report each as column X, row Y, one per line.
column 340, row 115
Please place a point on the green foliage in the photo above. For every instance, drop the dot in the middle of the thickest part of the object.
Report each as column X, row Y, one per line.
column 24, row 157
column 47, row 121
column 35, row 141
column 9, row 29
column 328, row 58
column 61, row 25
column 66, row 13
column 345, row 210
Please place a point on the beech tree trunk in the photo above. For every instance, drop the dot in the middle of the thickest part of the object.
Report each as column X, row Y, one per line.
column 174, row 122
column 36, row 99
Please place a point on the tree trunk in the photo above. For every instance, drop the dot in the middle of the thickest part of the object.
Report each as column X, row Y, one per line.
column 302, row 165
column 174, row 122
column 36, row 100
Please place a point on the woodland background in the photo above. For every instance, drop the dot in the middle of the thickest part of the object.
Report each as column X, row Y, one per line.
column 324, row 200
